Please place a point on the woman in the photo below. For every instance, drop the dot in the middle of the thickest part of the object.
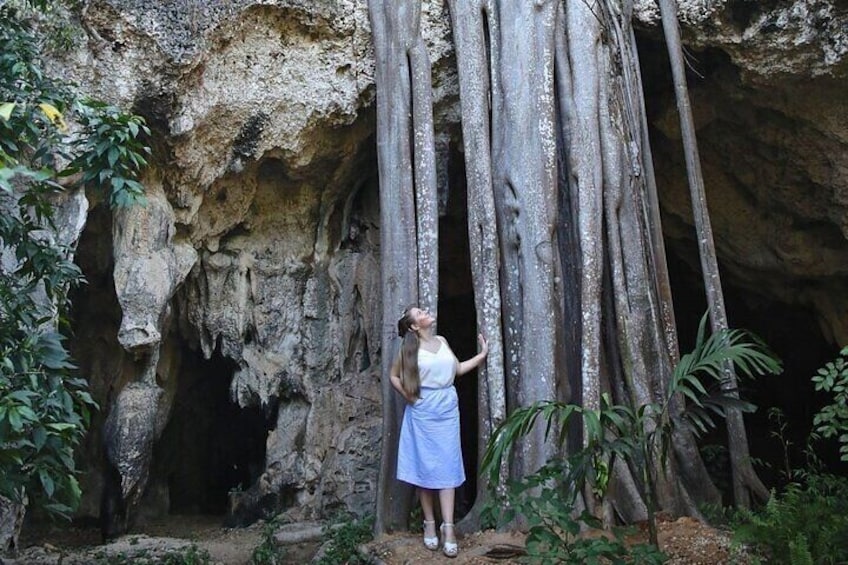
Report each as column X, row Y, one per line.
column 429, row 453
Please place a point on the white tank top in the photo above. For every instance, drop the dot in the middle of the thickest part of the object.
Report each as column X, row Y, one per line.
column 437, row 370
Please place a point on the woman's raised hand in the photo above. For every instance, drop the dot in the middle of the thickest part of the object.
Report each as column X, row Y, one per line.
column 484, row 347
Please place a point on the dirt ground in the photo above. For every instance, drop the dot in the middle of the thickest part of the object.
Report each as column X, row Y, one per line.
column 72, row 545
column 685, row 541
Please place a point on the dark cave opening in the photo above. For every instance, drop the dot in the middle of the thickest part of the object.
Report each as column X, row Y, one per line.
column 210, row 445
column 457, row 318
column 790, row 330
column 793, row 334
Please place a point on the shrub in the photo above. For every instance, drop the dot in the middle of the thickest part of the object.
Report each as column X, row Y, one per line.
column 343, row 538
column 832, row 420
column 268, row 552
column 641, row 436
column 554, row 531
column 809, row 519
column 44, row 406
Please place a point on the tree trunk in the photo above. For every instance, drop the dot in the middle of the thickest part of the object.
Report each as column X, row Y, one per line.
column 408, row 212
column 745, row 479
column 471, row 25
column 11, row 521
column 568, row 263
column 524, row 171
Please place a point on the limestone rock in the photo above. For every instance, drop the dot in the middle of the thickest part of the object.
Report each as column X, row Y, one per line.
column 11, row 521
column 770, row 119
column 149, row 266
column 766, row 39
column 130, row 432
column 257, row 252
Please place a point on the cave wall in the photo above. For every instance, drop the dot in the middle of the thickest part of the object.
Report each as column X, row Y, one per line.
column 258, row 248
column 767, row 82
column 255, row 258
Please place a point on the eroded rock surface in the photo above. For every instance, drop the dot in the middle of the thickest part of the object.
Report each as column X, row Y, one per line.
column 259, row 250
column 768, row 39
column 767, row 95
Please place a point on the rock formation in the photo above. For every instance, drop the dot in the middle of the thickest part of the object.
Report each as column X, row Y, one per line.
column 252, row 272
column 771, row 127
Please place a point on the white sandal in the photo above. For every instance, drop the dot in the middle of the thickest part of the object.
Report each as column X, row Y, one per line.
column 431, row 543
column 449, row 548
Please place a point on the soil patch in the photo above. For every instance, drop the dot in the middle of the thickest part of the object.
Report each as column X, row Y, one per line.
column 73, row 545
column 686, row 541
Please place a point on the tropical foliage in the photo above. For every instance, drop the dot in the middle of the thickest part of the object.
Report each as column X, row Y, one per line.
column 638, row 436
column 51, row 139
column 807, row 521
column 832, row 420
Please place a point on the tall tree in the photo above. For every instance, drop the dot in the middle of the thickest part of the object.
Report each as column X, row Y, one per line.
column 746, row 483
column 408, row 208
column 568, row 262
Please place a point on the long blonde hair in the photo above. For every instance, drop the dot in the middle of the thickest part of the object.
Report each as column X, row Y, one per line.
column 409, row 377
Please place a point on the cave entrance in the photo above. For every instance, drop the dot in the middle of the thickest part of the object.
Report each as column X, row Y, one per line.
column 210, row 445
column 755, row 299
column 457, row 315
column 792, row 332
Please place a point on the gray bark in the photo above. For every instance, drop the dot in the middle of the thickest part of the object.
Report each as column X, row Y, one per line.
column 568, row 263
column 409, row 254
column 470, row 25
column 524, row 171
column 12, row 515
column 745, row 480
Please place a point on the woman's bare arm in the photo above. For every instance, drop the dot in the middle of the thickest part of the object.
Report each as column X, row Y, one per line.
column 475, row 361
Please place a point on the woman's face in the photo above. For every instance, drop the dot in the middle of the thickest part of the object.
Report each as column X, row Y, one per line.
column 421, row 319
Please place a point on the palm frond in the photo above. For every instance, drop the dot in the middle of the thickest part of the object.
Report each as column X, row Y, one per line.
column 714, row 355
column 518, row 425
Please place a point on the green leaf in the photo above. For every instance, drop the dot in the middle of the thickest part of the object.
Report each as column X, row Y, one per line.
column 74, row 487
column 27, row 414
column 60, row 426
column 47, row 483
column 14, row 419
column 6, row 110
column 39, row 437
column 22, row 396
column 113, row 154
column 117, row 183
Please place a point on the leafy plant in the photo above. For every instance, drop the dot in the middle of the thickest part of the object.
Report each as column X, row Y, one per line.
column 832, row 420
column 641, row 436
column 44, row 406
column 547, row 504
column 191, row 555
column 807, row 523
column 343, row 538
column 111, row 152
column 188, row 555
column 268, row 552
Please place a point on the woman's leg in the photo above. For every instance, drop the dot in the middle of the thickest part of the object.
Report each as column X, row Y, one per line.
column 426, row 498
column 446, row 501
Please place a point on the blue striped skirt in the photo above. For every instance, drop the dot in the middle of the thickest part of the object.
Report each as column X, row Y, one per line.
column 429, row 452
